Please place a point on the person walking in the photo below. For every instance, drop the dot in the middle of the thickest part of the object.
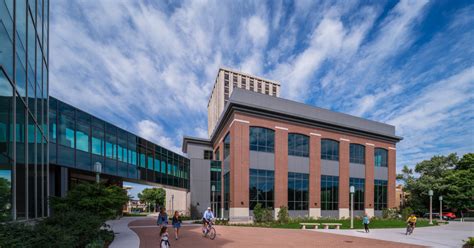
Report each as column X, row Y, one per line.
column 162, row 218
column 176, row 224
column 164, row 242
column 366, row 222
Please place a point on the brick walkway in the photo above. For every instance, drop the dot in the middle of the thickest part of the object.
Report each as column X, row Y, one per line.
column 227, row 236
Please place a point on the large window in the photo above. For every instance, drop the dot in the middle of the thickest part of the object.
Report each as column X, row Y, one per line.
column 298, row 193
column 98, row 140
column 298, row 145
column 357, row 154
column 226, row 190
column 216, row 172
column 329, row 192
column 207, row 155
column 66, row 131
column 380, row 194
column 227, row 146
column 111, row 143
column 380, row 157
column 82, row 136
column 359, row 185
column 262, row 139
column 329, row 149
column 261, row 188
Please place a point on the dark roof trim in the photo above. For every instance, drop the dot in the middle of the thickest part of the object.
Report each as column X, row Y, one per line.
column 194, row 140
column 258, row 112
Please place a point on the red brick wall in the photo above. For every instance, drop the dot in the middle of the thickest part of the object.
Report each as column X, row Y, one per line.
column 392, row 170
column 369, row 177
column 314, row 171
column 343, row 174
column 281, row 168
column 240, row 164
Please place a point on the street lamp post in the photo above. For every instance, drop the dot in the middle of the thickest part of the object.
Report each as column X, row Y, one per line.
column 98, row 170
column 430, row 193
column 213, row 189
column 441, row 208
column 352, row 190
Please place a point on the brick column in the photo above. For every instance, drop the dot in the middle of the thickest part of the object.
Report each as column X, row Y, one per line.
column 281, row 169
column 239, row 171
column 392, row 170
column 369, row 180
column 343, row 179
column 314, row 176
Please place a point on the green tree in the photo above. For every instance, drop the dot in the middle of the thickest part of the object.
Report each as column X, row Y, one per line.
column 447, row 176
column 5, row 196
column 105, row 201
column 154, row 196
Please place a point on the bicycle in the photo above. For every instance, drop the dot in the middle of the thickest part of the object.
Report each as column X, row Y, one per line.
column 210, row 231
column 410, row 228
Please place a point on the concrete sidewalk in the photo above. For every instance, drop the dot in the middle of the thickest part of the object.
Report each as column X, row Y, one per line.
column 124, row 236
column 449, row 235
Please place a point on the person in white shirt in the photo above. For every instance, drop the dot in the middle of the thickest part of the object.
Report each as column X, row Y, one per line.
column 206, row 218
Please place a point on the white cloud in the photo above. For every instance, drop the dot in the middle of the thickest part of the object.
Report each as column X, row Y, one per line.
column 152, row 131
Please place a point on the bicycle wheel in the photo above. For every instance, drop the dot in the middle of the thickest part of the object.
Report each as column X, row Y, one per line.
column 212, row 233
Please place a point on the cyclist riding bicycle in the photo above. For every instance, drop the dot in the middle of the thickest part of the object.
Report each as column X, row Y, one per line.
column 207, row 217
column 412, row 221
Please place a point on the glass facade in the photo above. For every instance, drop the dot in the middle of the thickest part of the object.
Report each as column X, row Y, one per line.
column 262, row 139
column 216, row 173
column 380, row 157
column 227, row 146
column 262, row 188
column 357, row 154
column 329, row 192
column 298, row 145
column 329, row 149
column 298, row 191
column 226, row 191
column 84, row 140
column 380, row 194
column 359, row 185
column 23, row 109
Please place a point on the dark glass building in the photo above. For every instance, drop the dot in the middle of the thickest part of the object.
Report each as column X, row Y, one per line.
column 78, row 140
column 23, row 109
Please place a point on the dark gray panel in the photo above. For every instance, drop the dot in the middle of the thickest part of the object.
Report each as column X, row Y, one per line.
column 381, row 173
column 197, row 151
column 298, row 213
column 357, row 170
column 262, row 160
column 200, row 184
column 330, row 213
column 298, row 164
column 329, row 167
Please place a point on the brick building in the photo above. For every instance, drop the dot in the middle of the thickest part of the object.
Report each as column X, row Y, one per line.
column 278, row 152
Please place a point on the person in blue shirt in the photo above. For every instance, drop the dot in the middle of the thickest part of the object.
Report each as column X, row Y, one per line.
column 162, row 218
column 366, row 222
column 206, row 218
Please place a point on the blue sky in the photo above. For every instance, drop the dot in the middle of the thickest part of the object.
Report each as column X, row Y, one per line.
column 149, row 66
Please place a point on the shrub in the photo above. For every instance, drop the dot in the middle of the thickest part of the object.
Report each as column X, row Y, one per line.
column 469, row 243
column 104, row 201
column 390, row 213
column 262, row 214
column 406, row 212
column 283, row 216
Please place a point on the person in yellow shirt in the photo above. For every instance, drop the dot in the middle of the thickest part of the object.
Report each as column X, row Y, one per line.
column 411, row 223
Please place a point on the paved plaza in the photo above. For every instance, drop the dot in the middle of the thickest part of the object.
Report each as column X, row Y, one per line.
column 148, row 234
column 450, row 235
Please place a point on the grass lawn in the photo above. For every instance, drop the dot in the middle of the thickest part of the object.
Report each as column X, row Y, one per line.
column 345, row 224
